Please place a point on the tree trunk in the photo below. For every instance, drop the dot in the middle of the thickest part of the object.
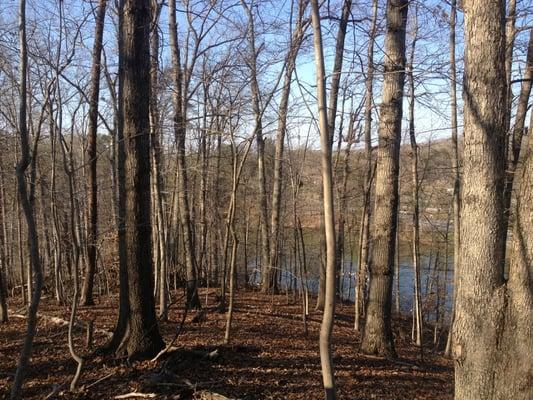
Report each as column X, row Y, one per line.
column 456, row 173
column 143, row 337
column 364, row 233
column 417, row 306
column 493, row 316
column 33, row 239
column 92, row 157
column 326, row 328
column 193, row 301
column 518, row 130
column 377, row 333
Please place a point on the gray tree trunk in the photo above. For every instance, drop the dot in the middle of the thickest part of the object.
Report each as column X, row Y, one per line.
column 377, row 333
column 492, row 344
column 92, row 156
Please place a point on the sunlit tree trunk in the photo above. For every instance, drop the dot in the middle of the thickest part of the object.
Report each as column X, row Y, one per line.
column 492, row 345
column 417, row 304
column 377, row 333
column 329, row 217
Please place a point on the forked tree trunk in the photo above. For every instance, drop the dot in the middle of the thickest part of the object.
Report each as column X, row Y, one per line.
column 492, row 344
column 92, row 156
column 377, row 333
column 143, row 338
column 326, row 357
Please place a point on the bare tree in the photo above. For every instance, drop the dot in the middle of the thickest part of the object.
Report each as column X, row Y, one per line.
column 377, row 333
column 143, row 338
column 364, row 235
column 417, row 304
column 455, row 167
column 33, row 239
column 329, row 217
column 193, row 301
column 92, row 206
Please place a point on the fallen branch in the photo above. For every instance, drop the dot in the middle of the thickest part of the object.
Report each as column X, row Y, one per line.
column 99, row 380
column 136, row 394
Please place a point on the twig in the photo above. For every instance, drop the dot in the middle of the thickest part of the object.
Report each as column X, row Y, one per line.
column 136, row 394
column 99, row 380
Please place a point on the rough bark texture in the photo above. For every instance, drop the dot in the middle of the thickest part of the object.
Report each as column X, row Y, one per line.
column 493, row 316
column 377, row 333
column 514, row 367
column 92, row 199
column 143, row 337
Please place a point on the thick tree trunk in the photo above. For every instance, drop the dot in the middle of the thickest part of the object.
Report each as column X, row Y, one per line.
column 493, row 316
column 92, row 157
column 377, row 333
column 143, row 337
column 515, row 343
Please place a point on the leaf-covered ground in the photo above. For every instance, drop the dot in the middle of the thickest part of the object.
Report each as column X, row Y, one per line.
column 269, row 357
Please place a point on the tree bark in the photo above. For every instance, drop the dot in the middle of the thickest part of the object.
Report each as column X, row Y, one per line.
column 377, row 333
column 143, row 338
column 493, row 316
column 92, row 158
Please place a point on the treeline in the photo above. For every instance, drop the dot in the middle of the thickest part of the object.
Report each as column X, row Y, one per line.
column 150, row 147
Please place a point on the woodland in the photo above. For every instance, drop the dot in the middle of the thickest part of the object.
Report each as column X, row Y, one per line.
column 266, row 199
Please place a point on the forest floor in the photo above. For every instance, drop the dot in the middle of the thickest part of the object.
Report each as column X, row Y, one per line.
column 270, row 357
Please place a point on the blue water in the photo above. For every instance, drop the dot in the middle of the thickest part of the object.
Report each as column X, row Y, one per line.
column 428, row 278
